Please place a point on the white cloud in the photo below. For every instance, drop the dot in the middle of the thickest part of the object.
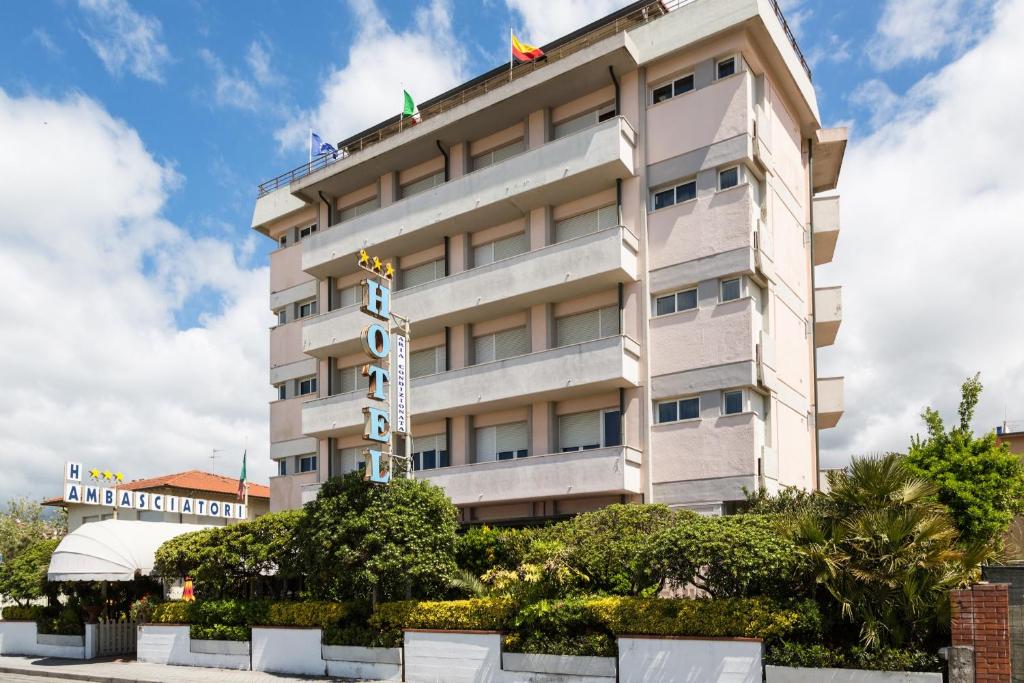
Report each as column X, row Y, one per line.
column 918, row 30
column 424, row 59
column 877, row 98
column 258, row 59
column 124, row 39
column 833, row 49
column 46, row 41
column 543, row 20
column 95, row 368
column 229, row 88
column 931, row 252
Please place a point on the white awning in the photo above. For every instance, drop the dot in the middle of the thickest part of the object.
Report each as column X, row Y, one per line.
column 112, row 550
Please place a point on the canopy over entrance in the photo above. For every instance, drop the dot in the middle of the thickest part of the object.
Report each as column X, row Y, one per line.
column 112, row 550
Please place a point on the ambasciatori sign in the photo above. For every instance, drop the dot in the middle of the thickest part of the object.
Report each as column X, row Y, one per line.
column 80, row 490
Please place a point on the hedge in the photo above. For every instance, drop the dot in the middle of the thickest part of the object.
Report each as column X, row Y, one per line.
column 819, row 656
column 233, row 619
column 16, row 613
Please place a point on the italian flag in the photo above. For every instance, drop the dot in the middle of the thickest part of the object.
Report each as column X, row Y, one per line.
column 409, row 108
column 242, row 483
column 524, row 52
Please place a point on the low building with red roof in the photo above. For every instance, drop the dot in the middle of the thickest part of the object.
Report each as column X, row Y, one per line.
column 192, row 484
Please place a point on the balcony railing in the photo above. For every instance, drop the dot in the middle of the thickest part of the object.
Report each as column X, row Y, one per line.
column 498, row 78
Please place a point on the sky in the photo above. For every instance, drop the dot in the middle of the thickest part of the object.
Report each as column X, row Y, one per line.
column 133, row 135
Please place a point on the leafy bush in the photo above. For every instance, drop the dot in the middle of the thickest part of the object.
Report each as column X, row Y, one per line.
column 729, row 557
column 23, row 577
column 564, row 627
column 19, row 613
column 311, row 614
column 219, row 632
column 176, row 612
column 229, row 612
column 353, row 634
column 63, row 621
column 481, row 614
column 483, row 548
column 836, row 657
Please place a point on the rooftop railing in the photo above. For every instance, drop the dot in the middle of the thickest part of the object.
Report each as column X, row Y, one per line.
column 437, row 106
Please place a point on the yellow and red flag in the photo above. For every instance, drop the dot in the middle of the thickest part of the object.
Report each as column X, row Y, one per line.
column 523, row 52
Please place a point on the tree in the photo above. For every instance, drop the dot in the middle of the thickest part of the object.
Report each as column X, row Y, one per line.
column 364, row 541
column 24, row 578
column 24, row 523
column 887, row 553
column 979, row 480
column 730, row 557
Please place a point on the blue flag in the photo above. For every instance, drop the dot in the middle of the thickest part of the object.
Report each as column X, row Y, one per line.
column 318, row 146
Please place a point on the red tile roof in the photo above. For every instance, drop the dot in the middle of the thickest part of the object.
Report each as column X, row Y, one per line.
column 195, row 480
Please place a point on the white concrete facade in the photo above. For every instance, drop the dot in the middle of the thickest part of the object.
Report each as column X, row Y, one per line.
column 573, row 254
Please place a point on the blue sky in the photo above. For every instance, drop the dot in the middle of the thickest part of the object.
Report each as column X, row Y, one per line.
column 140, row 130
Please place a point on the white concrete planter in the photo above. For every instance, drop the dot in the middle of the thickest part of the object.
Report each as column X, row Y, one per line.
column 666, row 660
column 453, row 657
column 287, row 650
column 59, row 640
column 566, row 665
column 786, row 674
column 369, row 663
column 219, row 647
column 171, row 644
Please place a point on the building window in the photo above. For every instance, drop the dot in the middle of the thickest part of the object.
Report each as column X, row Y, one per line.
column 282, row 316
column 506, row 247
column 584, row 327
column 683, row 84
column 352, row 379
column 306, row 232
column 502, row 442
column 685, row 300
column 351, row 212
column 732, row 402
column 307, row 386
column 726, row 67
column 729, row 177
column 307, row 463
column 345, row 460
column 678, row 194
column 587, row 223
column 427, row 362
column 430, row 452
column 305, row 309
column 500, row 345
column 730, row 290
column 422, row 274
column 282, row 392
column 679, row 409
column 350, row 296
column 583, row 121
column 282, row 467
column 496, row 155
column 428, row 183
column 586, row 431
column 283, row 240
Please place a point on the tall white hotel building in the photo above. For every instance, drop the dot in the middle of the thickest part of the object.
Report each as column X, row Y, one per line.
column 608, row 260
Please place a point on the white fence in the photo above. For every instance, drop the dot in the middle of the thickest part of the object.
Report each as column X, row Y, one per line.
column 115, row 638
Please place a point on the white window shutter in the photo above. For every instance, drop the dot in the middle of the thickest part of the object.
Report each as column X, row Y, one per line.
column 511, row 246
column 486, row 444
column 579, row 328
column 512, row 437
column 483, row 349
column 586, row 223
column 610, row 321
column 349, row 296
column 423, row 362
column 422, row 274
column 483, row 255
column 581, row 429
column 348, row 380
column 507, row 151
column 574, row 125
column 509, row 343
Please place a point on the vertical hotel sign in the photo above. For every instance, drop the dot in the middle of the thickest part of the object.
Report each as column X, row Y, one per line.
column 387, row 382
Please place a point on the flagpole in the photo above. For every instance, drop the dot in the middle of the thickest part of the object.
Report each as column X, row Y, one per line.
column 510, row 57
column 310, row 145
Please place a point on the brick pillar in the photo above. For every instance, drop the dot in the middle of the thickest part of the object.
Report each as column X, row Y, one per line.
column 981, row 620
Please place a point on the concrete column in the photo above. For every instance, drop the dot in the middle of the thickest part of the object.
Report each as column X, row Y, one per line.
column 541, row 336
column 540, row 227
column 458, row 253
column 633, row 418
column 458, row 346
column 538, row 127
column 461, row 437
column 458, row 160
column 541, row 441
column 388, row 188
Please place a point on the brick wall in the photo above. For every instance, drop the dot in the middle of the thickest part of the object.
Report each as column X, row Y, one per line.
column 981, row 619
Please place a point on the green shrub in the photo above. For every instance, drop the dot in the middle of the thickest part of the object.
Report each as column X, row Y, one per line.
column 838, row 657
column 483, row 548
column 17, row 613
column 176, row 612
column 229, row 612
column 311, row 614
column 481, row 614
column 67, row 621
column 353, row 634
column 563, row 627
column 219, row 632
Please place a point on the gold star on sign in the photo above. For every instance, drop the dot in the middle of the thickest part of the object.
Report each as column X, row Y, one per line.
column 108, row 475
column 119, row 476
column 94, row 473
column 364, row 258
column 389, row 270
column 377, row 265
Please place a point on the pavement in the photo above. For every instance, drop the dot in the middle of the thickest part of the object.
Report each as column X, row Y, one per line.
column 42, row 669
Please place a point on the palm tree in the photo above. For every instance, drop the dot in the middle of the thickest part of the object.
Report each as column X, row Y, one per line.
column 886, row 551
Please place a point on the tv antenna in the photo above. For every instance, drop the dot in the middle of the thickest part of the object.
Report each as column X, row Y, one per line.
column 213, row 459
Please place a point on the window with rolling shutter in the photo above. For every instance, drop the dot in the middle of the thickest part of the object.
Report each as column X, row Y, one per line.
column 345, row 460
column 581, row 431
column 583, row 327
column 431, row 181
column 497, row 155
column 352, row 379
column 429, row 452
column 422, row 274
column 587, row 223
column 500, row 249
column 504, row 344
column 349, row 296
column 574, row 125
column 426, row 362
column 351, row 212
column 503, row 442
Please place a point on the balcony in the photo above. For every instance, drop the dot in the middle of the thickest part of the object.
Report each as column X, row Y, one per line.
column 554, row 374
column 564, row 169
column 828, row 315
column 613, row 471
column 830, row 401
column 286, row 344
column 561, row 271
column 825, row 229
column 286, row 419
